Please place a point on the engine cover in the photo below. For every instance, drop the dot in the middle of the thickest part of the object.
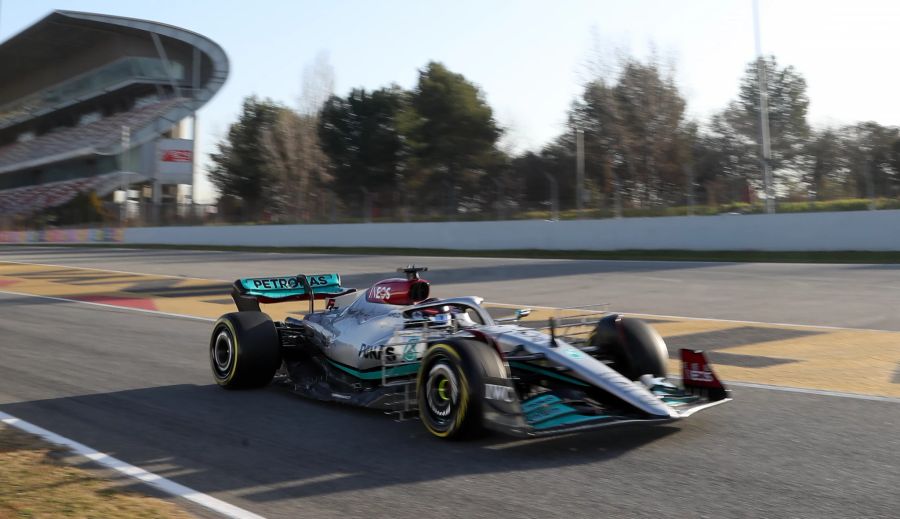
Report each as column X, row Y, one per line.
column 398, row 291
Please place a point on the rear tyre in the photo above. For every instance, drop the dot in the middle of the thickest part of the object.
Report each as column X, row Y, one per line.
column 244, row 350
column 634, row 347
column 450, row 387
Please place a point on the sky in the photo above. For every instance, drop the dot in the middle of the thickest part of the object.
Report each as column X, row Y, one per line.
column 530, row 57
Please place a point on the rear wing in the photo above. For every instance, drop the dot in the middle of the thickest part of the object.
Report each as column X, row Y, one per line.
column 248, row 293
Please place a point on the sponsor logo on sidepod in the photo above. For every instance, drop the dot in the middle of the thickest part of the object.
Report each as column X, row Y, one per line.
column 497, row 392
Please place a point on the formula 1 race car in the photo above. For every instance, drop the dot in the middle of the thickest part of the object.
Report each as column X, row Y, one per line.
column 395, row 348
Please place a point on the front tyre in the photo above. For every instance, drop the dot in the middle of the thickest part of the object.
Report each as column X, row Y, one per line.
column 244, row 350
column 634, row 347
column 450, row 387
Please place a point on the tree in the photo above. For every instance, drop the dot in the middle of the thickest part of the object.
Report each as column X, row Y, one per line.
column 317, row 85
column 530, row 171
column 873, row 157
column 652, row 116
column 240, row 168
column 359, row 134
column 597, row 114
column 827, row 176
column 787, row 110
column 296, row 162
column 451, row 134
column 635, row 134
column 724, row 163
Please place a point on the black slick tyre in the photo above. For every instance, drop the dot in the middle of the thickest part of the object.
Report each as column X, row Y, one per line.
column 450, row 387
column 244, row 350
column 634, row 347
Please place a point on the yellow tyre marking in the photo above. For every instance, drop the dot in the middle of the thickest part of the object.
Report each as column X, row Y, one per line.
column 463, row 392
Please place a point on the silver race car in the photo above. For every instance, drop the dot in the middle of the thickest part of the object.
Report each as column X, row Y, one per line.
column 395, row 348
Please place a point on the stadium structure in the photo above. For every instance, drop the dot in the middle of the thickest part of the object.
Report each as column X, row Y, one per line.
column 102, row 104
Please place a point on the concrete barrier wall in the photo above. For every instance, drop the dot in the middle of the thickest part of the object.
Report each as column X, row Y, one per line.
column 860, row 230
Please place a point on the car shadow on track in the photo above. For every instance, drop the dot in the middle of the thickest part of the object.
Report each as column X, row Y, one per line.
column 270, row 445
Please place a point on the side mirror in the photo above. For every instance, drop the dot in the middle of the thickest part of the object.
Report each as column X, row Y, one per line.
column 520, row 313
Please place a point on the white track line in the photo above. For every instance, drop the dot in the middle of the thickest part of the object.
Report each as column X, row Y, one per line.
column 111, row 270
column 738, row 321
column 505, row 305
column 158, row 482
column 709, row 319
column 820, row 392
column 112, row 307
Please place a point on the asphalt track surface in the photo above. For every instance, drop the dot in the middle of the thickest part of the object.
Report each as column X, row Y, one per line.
column 856, row 296
column 137, row 387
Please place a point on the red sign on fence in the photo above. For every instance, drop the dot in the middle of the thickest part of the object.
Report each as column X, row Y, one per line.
column 177, row 155
column 175, row 161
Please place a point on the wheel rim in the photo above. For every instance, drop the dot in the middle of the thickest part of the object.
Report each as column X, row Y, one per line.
column 441, row 392
column 443, row 389
column 222, row 353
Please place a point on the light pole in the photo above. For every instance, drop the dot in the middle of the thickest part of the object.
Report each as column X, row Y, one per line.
column 689, row 173
column 763, row 114
column 500, row 196
column 870, row 182
column 579, row 171
column 554, row 197
column 126, row 143
column 617, row 196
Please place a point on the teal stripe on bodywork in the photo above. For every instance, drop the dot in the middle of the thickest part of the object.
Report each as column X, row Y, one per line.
column 548, row 411
column 539, row 401
column 680, row 400
column 542, row 371
column 568, row 419
column 398, row 371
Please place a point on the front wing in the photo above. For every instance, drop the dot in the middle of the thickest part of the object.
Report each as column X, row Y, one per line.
column 551, row 412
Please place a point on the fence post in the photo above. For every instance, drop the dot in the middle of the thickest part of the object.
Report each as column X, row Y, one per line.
column 689, row 172
column 870, row 183
column 554, row 197
column 500, row 195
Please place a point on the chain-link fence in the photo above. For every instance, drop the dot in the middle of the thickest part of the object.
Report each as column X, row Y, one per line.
column 369, row 208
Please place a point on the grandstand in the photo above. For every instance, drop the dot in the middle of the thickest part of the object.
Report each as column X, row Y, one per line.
column 95, row 103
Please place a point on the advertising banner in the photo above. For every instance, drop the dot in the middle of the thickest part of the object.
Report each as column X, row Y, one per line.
column 104, row 235
column 175, row 161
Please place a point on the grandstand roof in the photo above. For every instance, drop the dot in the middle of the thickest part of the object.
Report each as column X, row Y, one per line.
column 45, row 43
column 70, row 86
column 62, row 35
